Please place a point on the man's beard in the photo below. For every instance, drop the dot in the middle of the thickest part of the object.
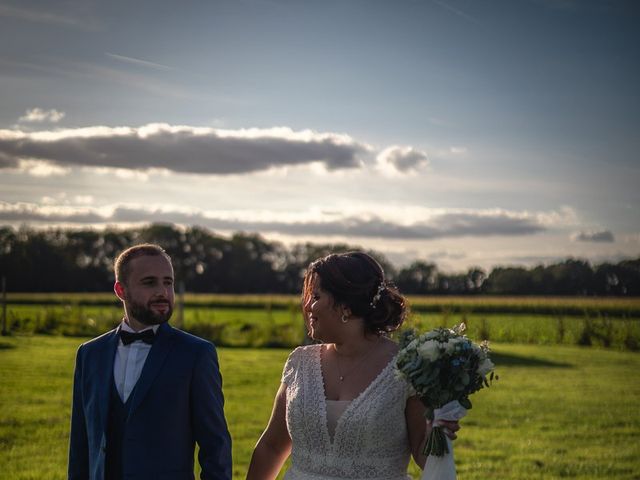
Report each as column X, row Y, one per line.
column 146, row 316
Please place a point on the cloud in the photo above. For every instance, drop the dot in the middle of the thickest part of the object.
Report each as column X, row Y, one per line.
column 402, row 159
column 63, row 199
column 593, row 236
column 184, row 149
column 37, row 115
column 442, row 225
column 137, row 61
column 445, row 255
column 456, row 11
column 458, row 150
column 485, row 223
column 525, row 260
column 37, row 168
column 48, row 18
column 633, row 238
column 7, row 161
column 26, row 212
column 564, row 216
column 34, row 168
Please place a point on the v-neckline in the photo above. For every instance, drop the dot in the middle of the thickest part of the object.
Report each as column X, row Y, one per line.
column 358, row 398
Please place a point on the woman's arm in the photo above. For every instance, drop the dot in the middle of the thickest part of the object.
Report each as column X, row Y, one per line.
column 419, row 428
column 274, row 446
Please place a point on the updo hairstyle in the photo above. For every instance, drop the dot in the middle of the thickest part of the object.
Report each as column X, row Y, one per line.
column 356, row 281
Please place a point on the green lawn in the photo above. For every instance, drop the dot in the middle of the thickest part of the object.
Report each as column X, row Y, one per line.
column 556, row 412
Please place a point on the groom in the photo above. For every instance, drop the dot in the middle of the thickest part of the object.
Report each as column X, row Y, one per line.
column 145, row 393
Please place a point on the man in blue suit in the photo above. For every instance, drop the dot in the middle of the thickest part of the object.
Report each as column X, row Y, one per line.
column 145, row 393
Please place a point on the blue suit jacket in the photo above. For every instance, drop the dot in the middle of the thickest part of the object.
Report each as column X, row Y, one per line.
column 177, row 402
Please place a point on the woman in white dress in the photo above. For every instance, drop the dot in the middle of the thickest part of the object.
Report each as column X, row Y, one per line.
column 340, row 412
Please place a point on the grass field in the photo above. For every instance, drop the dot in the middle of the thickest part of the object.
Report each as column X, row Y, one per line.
column 556, row 412
column 259, row 327
column 550, row 305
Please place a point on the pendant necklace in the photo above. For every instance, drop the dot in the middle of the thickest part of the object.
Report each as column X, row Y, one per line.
column 342, row 376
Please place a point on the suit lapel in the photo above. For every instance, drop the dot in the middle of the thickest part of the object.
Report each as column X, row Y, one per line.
column 105, row 371
column 153, row 365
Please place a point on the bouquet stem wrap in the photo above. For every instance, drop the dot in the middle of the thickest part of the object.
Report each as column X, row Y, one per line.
column 442, row 467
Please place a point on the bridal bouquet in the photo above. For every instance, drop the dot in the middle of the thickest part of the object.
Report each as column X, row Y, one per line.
column 444, row 367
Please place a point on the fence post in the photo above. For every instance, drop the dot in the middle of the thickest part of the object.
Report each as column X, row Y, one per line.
column 4, row 306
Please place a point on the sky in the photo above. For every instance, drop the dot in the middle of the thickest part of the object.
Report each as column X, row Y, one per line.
column 460, row 132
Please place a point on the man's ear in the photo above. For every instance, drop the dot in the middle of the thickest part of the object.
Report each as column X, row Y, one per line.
column 118, row 289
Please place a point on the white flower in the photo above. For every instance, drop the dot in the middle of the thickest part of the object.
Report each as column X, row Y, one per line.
column 412, row 344
column 399, row 375
column 406, row 355
column 429, row 350
column 485, row 367
column 449, row 347
column 430, row 335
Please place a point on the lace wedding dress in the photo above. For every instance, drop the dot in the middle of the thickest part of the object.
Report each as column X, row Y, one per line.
column 370, row 440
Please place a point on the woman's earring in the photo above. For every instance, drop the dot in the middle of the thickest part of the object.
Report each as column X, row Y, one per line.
column 344, row 318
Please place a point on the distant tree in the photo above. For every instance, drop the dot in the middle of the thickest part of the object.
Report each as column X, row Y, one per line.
column 418, row 278
column 509, row 281
column 620, row 279
column 542, row 282
column 451, row 284
column 475, row 279
column 245, row 266
column 571, row 277
column 37, row 262
column 89, row 267
column 301, row 255
column 82, row 260
column 201, row 268
column 631, row 276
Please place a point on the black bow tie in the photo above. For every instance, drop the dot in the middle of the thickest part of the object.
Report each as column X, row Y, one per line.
column 147, row 336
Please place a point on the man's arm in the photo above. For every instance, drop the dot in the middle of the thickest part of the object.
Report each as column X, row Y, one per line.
column 209, row 424
column 78, row 447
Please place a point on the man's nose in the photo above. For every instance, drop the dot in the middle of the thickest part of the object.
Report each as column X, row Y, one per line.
column 164, row 291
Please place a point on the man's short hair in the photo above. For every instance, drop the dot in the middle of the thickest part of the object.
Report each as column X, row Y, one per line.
column 121, row 265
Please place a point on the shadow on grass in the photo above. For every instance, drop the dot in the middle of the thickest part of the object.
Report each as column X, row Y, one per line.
column 506, row 359
column 6, row 346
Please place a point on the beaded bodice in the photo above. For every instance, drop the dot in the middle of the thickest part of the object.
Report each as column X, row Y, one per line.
column 370, row 439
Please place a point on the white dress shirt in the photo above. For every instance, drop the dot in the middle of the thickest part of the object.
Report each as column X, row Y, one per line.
column 129, row 361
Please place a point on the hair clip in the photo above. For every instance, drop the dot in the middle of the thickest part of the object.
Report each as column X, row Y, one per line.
column 376, row 297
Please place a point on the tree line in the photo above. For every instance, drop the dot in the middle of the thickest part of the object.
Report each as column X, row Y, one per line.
column 66, row 260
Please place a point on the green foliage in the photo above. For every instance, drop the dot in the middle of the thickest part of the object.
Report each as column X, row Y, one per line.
column 557, row 412
column 610, row 332
column 570, row 306
column 277, row 322
column 247, row 263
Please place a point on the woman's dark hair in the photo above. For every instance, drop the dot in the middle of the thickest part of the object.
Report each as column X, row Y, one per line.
column 356, row 280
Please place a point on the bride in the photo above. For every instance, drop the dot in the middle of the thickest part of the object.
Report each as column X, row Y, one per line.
column 340, row 412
